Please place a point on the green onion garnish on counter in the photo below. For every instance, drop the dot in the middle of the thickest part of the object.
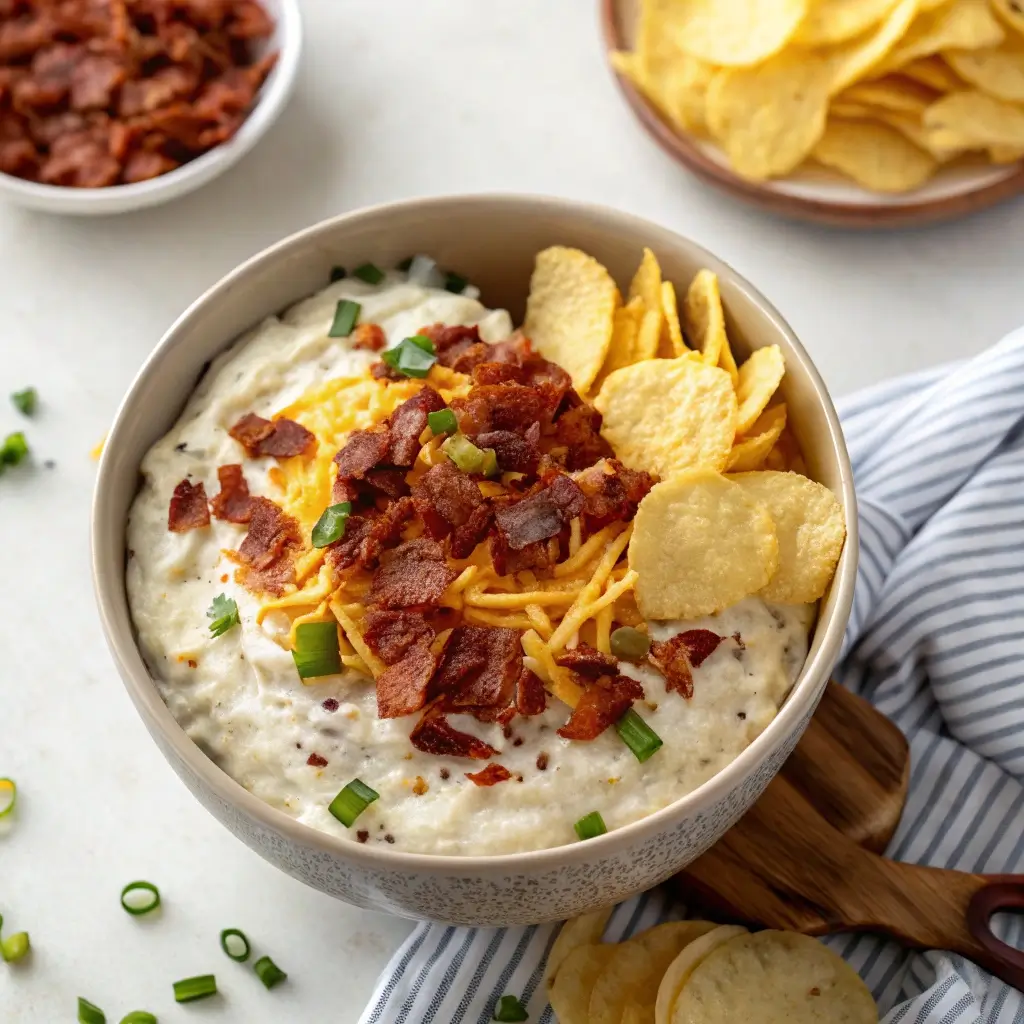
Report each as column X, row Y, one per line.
column 331, row 524
column 590, row 826
column 629, row 644
column 223, row 615
column 352, row 801
column 147, row 901
column 8, row 796
column 13, row 450
column 89, row 1014
column 338, row 274
column 235, row 944
column 14, row 947
column 456, row 283
column 510, row 1009
column 269, row 973
column 413, row 356
column 316, row 650
column 25, row 401
column 189, row 989
column 468, row 458
column 369, row 273
column 442, row 422
column 345, row 317
column 638, row 735
column 139, row 1017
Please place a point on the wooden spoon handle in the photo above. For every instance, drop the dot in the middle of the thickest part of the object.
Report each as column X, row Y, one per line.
column 1000, row 892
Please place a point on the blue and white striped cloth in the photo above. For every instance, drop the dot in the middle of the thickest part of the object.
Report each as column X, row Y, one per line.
column 936, row 642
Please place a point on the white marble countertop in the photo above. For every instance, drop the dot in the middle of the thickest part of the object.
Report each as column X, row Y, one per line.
column 397, row 98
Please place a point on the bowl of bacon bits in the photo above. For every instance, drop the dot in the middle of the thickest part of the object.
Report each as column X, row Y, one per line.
column 114, row 105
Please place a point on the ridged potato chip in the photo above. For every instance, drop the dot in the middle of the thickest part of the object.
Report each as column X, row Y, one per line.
column 998, row 70
column 1010, row 13
column 774, row 978
column 672, row 342
column 585, row 930
column 874, row 155
column 679, row 971
column 703, row 316
column 835, row 21
column 759, row 379
column 1005, row 154
column 732, row 33
column 786, row 456
column 667, row 415
column 634, row 1014
column 933, row 72
column 569, row 994
column 810, row 528
column 649, row 335
column 570, row 312
column 699, row 545
column 856, row 59
column 974, row 120
column 913, row 128
column 750, row 450
column 625, row 328
column 646, row 283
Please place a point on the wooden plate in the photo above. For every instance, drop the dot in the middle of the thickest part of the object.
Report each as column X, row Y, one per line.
column 813, row 196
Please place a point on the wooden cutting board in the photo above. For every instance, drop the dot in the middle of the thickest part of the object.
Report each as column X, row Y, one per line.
column 806, row 856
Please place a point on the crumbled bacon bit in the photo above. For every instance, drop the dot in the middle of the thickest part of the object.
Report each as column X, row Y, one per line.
column 361, row 452
column 362, row 835
column 451, row 342
column 578, row 431
column 587, row 661
column 449, row 502
column 281, row 438
column 513, row 407
column 268, row 552
column 316, row 761
column 192, row 663
column 602, row 704
column 675, row 658
column 489, row 776
column 367, row 536
column 542, row 762
column 516, row 453
column 389, row 838
column 414, row 573
column 433, row 735
column 611, row 493
column 402, row 687
column 330, row 704
column 406, row 424
column 538, row 518
column 188, row 509
column 479, row 669
column 370, row 337
column 389, row 634
column 531, row 697
column 233, row 502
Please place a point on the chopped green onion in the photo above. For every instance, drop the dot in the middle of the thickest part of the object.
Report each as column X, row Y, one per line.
column 590, row 826
column 489, row 467
column 199, row 987
column 412, row 356
column 25, row 401
column 468, row 457
column 89, row 1014
column 331, row 525
column 405, row 264
column 630, row 644
column 269, row 973
column 316, row 650
column 14, row 947
column 510, row 1009
column 352, row 801
column 8, row 796
column 227, row 939
column 442, row 422
column 223, row 615
column 338, row 274
column 345, row 316
column 369, row 273
column 150, row 901
column 457, row 283
column 638, row 735
column 139, row 1017
column 13, row 450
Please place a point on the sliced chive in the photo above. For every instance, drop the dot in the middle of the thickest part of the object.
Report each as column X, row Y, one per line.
column 590, row 826
column 139, row 1017
column 345, row 316
column 423, row 342
column 489, row 466
column 630, row 644
column 509, row 1008
column 369, row 273
column 466, row 456
column 147, row 902
column 269, row 973
column 199, row 987
column 338, row 274
column 638, row 735
column 352, row 801
column 25, row 401
column 316, row 650
column 14, row 947
column 89, row 1014
column 405, row 264
column 331, row 524
column 8, row 796
column 442, row 422
column 13, row 450
column 456, row 283
column 223, row 615
column 412, row 356
column 229, row 942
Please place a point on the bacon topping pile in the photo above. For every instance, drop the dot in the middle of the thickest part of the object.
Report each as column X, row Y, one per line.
column 605, row 700
column 281, row 438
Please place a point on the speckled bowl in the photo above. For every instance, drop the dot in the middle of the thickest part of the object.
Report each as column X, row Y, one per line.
column 494, row 239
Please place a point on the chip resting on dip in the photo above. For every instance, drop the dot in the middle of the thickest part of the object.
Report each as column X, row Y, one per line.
column 420, row 579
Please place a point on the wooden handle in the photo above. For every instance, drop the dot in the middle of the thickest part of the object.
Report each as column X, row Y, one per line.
column 1000, row 892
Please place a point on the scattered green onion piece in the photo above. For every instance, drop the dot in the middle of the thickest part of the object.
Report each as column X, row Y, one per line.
column 456, row 283
column 630, row 644
column 345, row 316
column 331, row 525
column 369, row 273
column 225, row 943
column 590, row 826
column 338, row 274
column 189, row 989
column 352, row 801
column 139, row 1017
column 464, row 453
column 152, row 901
column 8, row 797
column 89, row 1014
column 412, row 356
column 316, row 650
column 14, row 449
column 269, row 973
column 223, row 615
column 489, row 467
column 14, row 947
column 638, row 735
column 405, row 264
column 25, row 401
column 510, row 1009
column 442, row 422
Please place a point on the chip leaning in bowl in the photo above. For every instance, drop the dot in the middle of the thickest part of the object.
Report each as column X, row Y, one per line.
column 421, row 580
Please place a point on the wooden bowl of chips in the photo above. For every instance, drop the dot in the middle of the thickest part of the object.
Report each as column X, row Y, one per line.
column 867, row 165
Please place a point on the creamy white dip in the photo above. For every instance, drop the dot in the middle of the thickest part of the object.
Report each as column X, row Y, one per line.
column 239, row 696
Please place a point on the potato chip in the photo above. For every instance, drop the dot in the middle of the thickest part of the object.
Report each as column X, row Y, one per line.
column 835, row 21
column 636, row 1014
column 703, row 316
column 585, row 930
column 998, row 70
column 774, row 976
column 902, row 95
column 727, row 361
column 731, row 33
column 667, row 415
column 699, row 545
column 633, row 973
column 856, row 59
column 810, row 527
column 569, row 994
column 672, row 343
column 1010, row 13
column 625, row 328
column 570, row 312
column 759, row 379
column 874, row 155
column 768, row 118
column 750, row 451
column 933, row 72
column 1005, row 154
column 648, row 336
column 646, row 283
column 679, row 971
column 786, row 455
column 913, row 128
column 975, row 120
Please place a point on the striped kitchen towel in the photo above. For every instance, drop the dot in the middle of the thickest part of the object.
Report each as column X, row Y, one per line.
column 936, row 642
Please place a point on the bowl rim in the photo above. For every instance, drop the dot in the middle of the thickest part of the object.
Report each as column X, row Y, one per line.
column 270, row 101
column 107, row 564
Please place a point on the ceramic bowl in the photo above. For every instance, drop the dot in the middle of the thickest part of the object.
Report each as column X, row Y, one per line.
column 270, row 101
column 494, row 238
